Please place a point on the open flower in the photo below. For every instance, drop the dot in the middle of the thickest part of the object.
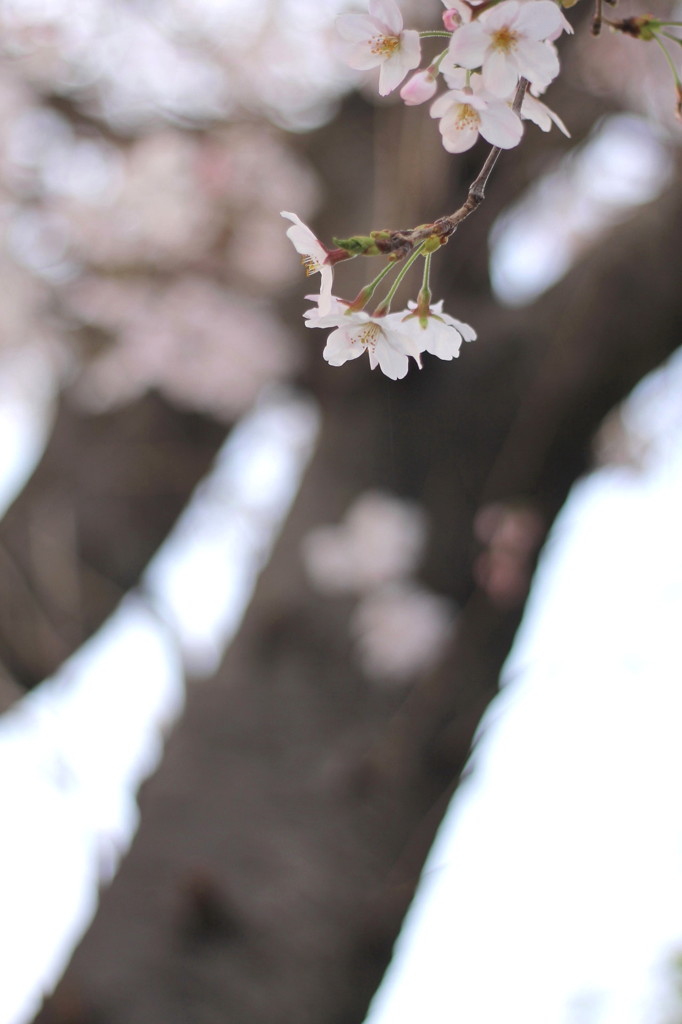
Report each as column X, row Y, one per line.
column 466, row 113
column 314, row 257
column 377, row 39
column 509, row 42
column 438, row 333
column 387, row 340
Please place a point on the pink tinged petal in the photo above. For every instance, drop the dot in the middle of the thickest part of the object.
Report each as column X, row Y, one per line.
column 499, row 74
column 418, row 89
column 388, row 13
column 500, row 126
column 469, row 45
column 538, row 62
column 539, row 19
column 341, row 347
column 356, row 28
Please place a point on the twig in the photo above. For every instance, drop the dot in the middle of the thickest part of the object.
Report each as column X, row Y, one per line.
column 401, row 243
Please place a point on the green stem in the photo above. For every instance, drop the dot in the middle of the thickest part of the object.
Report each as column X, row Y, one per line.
column 669, row 59
column 366, row 293
column 426, row 280
column 433, row 68
column 385, row 306
column 435, row 34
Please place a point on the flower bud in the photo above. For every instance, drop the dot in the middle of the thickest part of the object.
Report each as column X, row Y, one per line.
column 452, row 19
column 418, row 89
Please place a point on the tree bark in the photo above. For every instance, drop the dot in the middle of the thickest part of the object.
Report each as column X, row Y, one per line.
column 103, row 497
column 283, row 835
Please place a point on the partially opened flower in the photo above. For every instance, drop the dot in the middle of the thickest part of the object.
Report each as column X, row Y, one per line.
column 314, row 257
column 458, row 13
column 509, row 42
column 466, row 113
column 420, row 88
column 377, row 39
column 387, row 340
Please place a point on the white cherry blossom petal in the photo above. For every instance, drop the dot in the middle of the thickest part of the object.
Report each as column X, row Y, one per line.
column 393, row 71
column 340, row 347
column 355, row 28
column 533, row 109
column 388, row 13
column 468, row 47
column 500, row 126
column 313, row 256
column 540, row 19
column 499, row 74
column 538, row 62
column 377, row 39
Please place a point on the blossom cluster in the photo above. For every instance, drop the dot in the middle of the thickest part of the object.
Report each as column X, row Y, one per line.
column 500, row 57
column 390, row 339
column 491, row 48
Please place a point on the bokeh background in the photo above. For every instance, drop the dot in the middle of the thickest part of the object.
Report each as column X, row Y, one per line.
column 285, row 592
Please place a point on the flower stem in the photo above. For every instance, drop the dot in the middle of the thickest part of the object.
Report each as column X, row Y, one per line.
column 426, row 288
column 366, row 293
column 435, row 34
column 385, row 306
column 671, row 63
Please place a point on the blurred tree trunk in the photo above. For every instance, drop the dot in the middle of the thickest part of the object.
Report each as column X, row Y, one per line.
column 102, row 499
column 283, row 835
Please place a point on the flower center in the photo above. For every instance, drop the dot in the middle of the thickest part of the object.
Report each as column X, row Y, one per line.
column 384, row 46
column 367, row 335
column 467, row 117
column 504, row 39
column 311, row 264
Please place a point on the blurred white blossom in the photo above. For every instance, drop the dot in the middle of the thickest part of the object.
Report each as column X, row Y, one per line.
column 380, row 540
column 400, row 630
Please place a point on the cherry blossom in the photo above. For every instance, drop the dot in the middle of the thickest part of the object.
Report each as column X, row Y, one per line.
column 420, row 88
column 387, row 340
column 458, row 13
column 315, row 257
column 377, row 39
column 467, row 112
column 438, row 333
column 508, row 42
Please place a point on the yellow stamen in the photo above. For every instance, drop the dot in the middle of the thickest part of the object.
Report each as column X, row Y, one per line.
column 505, row 40
column 384, row 46
column 367, row 335
column 311, row 265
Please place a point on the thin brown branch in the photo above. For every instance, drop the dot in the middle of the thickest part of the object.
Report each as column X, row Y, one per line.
column 402, row 243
